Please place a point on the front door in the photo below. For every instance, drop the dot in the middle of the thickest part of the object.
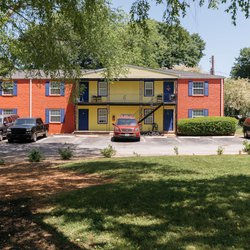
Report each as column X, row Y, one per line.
column 168, row 119
column 168, row 91
column 84, row 91
column 83, row 119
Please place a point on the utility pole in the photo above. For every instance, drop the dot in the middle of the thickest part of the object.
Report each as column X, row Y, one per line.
column 212, row 66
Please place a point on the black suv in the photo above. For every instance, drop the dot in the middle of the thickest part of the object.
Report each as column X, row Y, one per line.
column 246, row 127
column 5, row 122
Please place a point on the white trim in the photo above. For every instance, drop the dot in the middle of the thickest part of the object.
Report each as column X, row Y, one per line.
column 203, row 88
column 54, row 88
column 54, row 115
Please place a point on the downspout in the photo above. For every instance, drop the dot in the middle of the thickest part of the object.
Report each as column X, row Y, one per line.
column 30, row 99
column 222, row 97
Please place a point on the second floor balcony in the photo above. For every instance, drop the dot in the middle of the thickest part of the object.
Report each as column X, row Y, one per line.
column 128, row 98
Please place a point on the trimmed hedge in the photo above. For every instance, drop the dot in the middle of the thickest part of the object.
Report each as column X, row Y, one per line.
column 207, row 126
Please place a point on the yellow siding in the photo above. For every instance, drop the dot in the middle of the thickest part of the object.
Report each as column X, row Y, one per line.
column 116, row 111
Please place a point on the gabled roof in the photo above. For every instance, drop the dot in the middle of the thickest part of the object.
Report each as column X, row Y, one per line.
column 143, row 73
column 134, row 72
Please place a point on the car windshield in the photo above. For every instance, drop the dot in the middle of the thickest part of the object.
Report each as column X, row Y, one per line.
column 25, row 122
column 127, row 122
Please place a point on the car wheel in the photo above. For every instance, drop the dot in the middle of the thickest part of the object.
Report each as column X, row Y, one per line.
column 10, row 140
column 34, row 139
column 138, row 139
column 245, row 134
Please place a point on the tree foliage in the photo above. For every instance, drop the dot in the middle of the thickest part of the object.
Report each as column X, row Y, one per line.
column 69, row 34
column 163, row 46
column 237, row 96
column 174, row 9
column 241, row 66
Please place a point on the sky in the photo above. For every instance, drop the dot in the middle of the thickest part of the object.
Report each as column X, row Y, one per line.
column 223, row 40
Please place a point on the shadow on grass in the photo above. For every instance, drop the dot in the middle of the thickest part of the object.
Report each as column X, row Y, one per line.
column 20, row 229
column 161, row 214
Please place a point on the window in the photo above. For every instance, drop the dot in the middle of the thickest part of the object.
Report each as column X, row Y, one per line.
column 149, row 88
column 55, row 88
column 198, row 88
column 7, row 88
column 9, row 111
column 55, row 115
column 149, row 119
column 102, row 116
column 198, row 113
column 102, row 88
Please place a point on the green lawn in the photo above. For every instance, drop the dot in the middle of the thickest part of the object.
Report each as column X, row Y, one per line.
column 179, row 202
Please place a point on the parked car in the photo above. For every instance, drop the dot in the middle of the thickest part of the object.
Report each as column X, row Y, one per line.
column 246, row 127
column 27, row 129
column 127, row 126
column 5, row 122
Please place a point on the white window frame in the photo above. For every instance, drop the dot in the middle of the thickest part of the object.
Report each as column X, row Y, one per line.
column 150, row 88
column 102, row 116
column 202, row 113
column 8, row 112
column 102, row 89
column 150, row 119
column 50, row 115
column 53, row 88
column 198, row 88
column 9, row 89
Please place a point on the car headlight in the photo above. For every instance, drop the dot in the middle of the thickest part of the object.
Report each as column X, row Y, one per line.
column 8, row 130
column 28, row 129
column 136, row 129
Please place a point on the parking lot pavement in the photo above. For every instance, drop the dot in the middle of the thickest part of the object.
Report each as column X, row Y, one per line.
column 90, row 145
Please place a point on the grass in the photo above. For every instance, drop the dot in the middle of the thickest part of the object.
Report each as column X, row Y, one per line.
column 179, row 202
column 239, row 131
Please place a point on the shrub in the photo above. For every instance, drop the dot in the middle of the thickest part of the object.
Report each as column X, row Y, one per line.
column 108, row 152
column 207, row 126
column 35, row 155
column 220, row 150
column 176, row 150
column 65, row 153
column 246, row 148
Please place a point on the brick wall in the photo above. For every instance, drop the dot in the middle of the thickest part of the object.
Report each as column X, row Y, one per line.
column 212, row 102
column 40, row 102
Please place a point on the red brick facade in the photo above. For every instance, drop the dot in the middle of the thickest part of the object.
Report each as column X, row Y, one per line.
column 40, row 102
column 213, row 102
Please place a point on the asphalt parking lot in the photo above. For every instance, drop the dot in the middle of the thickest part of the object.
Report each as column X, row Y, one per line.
column 90, row 146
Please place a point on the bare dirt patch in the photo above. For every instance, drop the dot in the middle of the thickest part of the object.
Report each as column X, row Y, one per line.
column 23, row 188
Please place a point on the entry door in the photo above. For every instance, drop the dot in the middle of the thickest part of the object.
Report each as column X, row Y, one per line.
column 168, row 91
column 168, row 120
column 83, row 119
column 84, row 91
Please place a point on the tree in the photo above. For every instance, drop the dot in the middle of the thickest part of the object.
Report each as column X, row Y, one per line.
column 175, row 9
column 237, row 96
column 241, row 67
column 51, row 34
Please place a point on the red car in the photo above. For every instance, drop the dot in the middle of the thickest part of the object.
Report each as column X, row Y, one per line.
column 127, row 126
